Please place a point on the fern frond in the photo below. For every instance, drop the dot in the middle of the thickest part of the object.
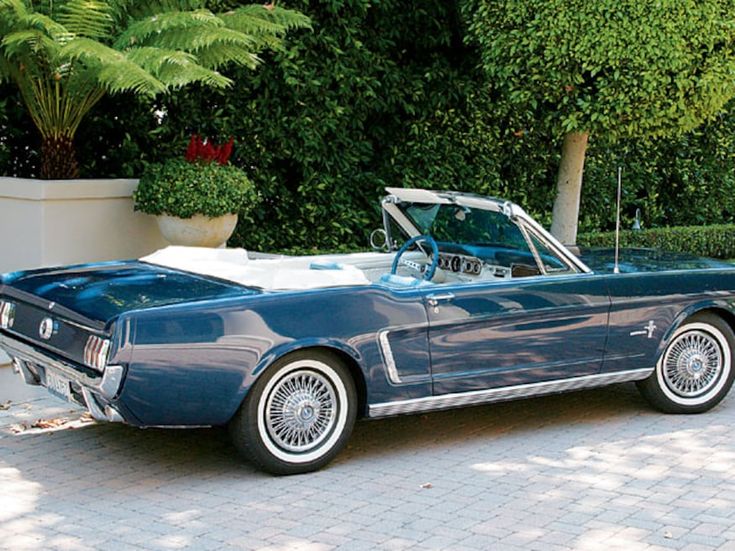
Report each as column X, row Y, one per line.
column 138, row 32
column 192, row 40
column 29, row 42
column 45, row 24
column 218, row 55
column 116, row 73
column 153, row 59
column 257, row 19
column 86, row 18
column 178, row 75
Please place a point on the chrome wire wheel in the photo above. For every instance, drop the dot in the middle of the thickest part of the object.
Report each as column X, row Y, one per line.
column 695, row 370
column 304, row 413
column 693, row 363
column 301, row 411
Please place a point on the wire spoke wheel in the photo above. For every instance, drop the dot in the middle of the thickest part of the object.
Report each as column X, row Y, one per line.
column 301, row 411
column 694, row 372
column 693, row 363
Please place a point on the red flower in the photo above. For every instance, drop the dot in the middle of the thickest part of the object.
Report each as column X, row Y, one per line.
column 205, row 151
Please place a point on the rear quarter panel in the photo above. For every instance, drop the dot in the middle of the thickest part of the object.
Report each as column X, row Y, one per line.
column 193, row 364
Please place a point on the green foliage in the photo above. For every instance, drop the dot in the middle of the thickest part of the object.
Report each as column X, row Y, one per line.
column 183, row 189
column 622, row 68
column 385, row 93
column 717, row 241
column 65, row 56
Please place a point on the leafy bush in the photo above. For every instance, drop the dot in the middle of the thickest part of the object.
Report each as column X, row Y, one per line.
column 183, row 189
column 716, row 241
column 384, row 93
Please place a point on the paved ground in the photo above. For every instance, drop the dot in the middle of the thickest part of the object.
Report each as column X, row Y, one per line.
column 591, row 470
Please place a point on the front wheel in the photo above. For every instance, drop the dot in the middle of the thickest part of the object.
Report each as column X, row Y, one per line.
column 298, row 415
column 695, row 371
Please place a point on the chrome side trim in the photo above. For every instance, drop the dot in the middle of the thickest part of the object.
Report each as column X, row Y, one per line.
column 390, row 362
column 461, row 399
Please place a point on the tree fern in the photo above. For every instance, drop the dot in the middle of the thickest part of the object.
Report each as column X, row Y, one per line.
column 64, row 60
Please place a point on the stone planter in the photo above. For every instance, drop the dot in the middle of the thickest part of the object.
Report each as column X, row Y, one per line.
column 55, row 222
column 197, row 231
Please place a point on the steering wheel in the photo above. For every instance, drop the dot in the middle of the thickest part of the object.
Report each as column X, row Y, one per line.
column 429, row 273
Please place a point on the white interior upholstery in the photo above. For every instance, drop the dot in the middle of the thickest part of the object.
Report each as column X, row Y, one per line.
column 268, row 273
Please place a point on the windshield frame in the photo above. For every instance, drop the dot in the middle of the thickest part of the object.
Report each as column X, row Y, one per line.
column 399, row 197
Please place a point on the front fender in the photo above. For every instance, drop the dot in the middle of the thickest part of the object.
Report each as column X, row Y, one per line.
column 710, row 304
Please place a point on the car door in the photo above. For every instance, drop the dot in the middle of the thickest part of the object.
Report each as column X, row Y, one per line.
column 514, row 332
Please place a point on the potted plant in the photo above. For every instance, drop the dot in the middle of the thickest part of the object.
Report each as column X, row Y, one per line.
column 64, row 56
column 196, row 198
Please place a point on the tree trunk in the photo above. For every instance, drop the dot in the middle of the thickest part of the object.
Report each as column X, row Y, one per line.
column 569, row 188
column 58, row 158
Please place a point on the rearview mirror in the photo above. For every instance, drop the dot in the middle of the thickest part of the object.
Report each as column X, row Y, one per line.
column 379, row 240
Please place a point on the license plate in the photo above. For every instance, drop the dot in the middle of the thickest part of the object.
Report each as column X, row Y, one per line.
column 58, row 386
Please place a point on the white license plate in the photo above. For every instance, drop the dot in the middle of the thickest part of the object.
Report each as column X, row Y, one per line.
column 58, row 386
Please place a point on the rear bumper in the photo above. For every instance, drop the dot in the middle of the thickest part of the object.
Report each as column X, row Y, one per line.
column 96, row 392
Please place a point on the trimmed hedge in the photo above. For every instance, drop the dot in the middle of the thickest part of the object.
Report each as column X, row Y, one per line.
column 716, row 241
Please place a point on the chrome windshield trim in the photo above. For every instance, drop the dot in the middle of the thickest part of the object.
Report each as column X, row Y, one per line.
column 476, row 397
column 473, row 201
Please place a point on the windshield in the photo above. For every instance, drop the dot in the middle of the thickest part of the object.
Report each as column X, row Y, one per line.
column 463, row 225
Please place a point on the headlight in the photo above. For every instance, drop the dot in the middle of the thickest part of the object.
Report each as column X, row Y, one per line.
column 96, row 351
column 7, row 314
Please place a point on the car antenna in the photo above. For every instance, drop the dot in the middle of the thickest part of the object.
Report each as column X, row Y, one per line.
column 616, row 267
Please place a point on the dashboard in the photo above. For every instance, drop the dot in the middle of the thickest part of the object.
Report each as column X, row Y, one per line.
column 460, row 264
column 465, row 267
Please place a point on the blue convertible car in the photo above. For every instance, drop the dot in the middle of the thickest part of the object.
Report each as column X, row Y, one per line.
column 479, row 304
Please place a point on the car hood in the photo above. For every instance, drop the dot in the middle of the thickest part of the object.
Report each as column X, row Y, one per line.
column 103, row 291
column 646, row 260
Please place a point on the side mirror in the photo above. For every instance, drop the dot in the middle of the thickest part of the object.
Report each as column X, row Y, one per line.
column 379, row 240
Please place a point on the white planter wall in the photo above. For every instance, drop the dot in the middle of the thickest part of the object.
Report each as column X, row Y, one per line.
column 55, row 222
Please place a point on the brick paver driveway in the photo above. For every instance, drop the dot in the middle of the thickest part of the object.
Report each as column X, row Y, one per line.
column 590, row 470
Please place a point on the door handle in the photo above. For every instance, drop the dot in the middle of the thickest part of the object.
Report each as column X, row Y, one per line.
column 435, row 298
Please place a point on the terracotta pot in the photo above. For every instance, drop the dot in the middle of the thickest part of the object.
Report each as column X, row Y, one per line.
column 197, row 231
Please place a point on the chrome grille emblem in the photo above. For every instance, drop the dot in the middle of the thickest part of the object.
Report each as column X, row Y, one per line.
column 47, row 328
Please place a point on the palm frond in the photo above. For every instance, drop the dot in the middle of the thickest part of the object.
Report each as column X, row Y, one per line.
column 86, row 18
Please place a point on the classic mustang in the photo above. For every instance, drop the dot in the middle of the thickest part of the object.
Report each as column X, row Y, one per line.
column 479, row 304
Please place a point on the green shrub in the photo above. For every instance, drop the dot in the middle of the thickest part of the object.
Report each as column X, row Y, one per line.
column 180, row 188
column 713, row 241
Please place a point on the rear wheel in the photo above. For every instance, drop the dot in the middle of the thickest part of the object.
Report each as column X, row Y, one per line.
column 298, row 415
column 695, row 371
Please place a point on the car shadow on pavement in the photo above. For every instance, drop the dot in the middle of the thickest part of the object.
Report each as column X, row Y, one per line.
column 206, row 452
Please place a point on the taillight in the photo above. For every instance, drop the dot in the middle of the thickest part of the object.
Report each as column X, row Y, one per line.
column 7, row 314
column 96, row 351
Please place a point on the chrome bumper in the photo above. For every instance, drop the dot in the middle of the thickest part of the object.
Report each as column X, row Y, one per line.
column 97, row 392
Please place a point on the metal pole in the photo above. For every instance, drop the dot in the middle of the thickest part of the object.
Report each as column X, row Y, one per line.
column 616, row 268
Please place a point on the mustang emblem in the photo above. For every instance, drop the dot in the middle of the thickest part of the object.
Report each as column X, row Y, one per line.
column 648, row 331
column 47, row 328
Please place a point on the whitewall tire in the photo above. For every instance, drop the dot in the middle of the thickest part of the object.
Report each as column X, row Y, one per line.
column 695, row 371
column 298, row 415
